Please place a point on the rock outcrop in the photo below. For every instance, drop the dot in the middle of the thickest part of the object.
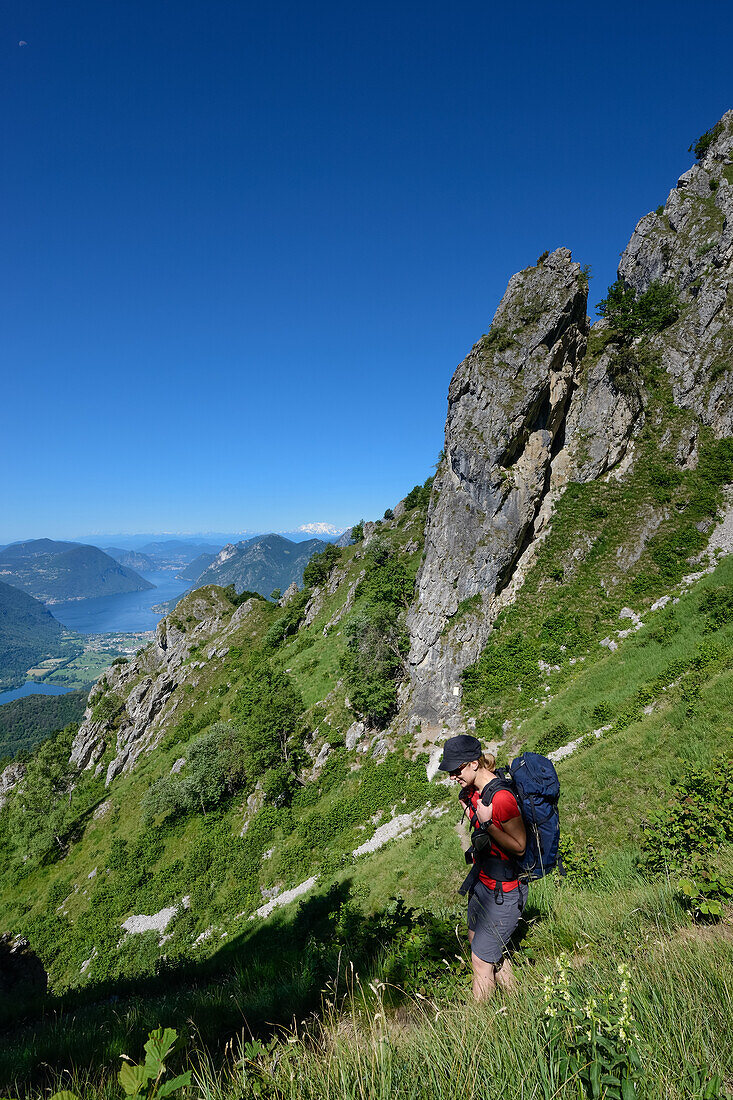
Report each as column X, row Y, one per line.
column 21, row 971
column 526, row 414
column 145, row 687
column 507, row 405
column 689, row 242
column 9, row 778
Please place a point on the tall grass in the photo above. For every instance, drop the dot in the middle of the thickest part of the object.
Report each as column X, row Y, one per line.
column 370, row 1040
column 682, row 997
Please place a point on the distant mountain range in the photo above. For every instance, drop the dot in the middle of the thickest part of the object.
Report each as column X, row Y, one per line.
column 28, row 634
column 178, row 551
column 260, row 564
column 133, row 559
column 56, row 571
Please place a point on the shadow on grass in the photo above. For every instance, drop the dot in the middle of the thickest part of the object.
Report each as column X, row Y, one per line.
column 258, row 980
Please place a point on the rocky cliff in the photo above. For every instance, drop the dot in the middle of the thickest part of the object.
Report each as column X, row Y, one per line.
column 507, row 406
column 528, row 411
column 132, row 704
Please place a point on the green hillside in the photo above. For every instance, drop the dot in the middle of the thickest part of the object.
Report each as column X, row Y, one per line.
column 25, row 722
column 163, row 836
column 28, row 634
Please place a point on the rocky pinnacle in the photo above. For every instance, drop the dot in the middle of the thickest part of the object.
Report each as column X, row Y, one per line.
column 507, row 405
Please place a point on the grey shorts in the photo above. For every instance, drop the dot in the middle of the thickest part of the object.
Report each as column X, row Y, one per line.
column 492, row 925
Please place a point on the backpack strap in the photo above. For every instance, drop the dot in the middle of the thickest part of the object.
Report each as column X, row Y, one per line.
column 501, row 870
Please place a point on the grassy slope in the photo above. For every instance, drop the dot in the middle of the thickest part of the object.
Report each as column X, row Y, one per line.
column 619, row 912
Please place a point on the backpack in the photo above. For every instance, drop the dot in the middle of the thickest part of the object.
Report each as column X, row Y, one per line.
column 533, row 781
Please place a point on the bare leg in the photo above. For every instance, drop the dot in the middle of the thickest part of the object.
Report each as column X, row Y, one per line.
column 484, row 978
column 505, row 978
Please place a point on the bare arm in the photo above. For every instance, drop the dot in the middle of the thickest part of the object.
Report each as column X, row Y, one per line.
column 512, row 838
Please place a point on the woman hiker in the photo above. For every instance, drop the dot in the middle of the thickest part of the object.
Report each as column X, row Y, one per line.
column 495, row 896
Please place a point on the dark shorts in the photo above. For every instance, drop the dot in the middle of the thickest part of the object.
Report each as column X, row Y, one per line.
column 492, row 925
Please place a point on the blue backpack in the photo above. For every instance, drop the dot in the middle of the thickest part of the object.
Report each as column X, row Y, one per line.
column 533, row 781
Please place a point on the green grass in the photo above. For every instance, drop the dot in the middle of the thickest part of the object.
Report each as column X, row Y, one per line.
column 421, row 1036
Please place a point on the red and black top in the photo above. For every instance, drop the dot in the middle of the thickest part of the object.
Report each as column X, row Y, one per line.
column 504, row 808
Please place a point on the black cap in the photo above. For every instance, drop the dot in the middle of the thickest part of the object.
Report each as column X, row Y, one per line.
column 459, row 750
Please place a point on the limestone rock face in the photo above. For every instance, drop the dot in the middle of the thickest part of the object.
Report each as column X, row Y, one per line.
column 525, row 416
column 690, row 243
column 290, row 591
column 507, row 404
column 10, row 778
column 145, row 686
column 601, row 423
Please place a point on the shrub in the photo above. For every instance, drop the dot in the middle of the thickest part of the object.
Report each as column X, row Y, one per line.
column 703, row 143
column 270, row 710
column 556, row 737
column 717, row 606
column 419, row 495
column 320, row 566
column 288, row 622
column 630, row 315
column 214, row 770
column 236, row 598
column 107, row 709
column 696, row 820
column 497, row 339
column 357, row 531
column 376, row 641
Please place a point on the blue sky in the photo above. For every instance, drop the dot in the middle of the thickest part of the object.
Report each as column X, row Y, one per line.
column 245, row 246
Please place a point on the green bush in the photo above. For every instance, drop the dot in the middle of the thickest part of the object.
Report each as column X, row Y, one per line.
column 288, row 622
column 696, row 821
column 376, row 640
column 703, row 143
column 631, row 315
column 554, row 738
column 320, row 566
column 419, row 495
column 270, row 710
column 717, row 606
column 107, row 709
column 214, row 770
column 237, row 598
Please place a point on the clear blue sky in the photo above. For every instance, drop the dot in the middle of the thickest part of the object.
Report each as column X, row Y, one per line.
column 244, row 246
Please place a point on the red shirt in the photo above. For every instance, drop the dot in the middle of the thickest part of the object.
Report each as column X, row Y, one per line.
column 504, row 808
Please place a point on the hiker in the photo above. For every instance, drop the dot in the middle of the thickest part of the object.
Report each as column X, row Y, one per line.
column 496, row 897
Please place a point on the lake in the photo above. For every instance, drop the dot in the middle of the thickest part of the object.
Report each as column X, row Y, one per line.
column 123, row 614
column 31, row 688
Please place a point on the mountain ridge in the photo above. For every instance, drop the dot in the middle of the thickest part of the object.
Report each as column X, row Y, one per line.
column 58, row 571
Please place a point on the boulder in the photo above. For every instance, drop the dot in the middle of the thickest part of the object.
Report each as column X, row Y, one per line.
column 21, row 971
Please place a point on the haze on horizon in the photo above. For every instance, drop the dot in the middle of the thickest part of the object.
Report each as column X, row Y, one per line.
column 249, row 246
